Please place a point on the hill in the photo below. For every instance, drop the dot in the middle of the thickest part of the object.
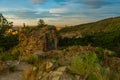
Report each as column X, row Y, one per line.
column 104, row 33
column 106, row 25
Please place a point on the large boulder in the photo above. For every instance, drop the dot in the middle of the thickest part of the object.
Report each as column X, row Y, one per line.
column 38, row 40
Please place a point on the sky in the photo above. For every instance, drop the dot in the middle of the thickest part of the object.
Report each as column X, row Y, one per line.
column 58, row 12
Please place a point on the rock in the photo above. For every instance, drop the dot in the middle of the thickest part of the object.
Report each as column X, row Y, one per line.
column 49, row 65
column 38, row 40
column 62, row 69
column 78, row 77
column 59, row 74
column 34, row 68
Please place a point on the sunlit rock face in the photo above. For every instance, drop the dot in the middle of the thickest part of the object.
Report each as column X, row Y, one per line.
column 38, row 40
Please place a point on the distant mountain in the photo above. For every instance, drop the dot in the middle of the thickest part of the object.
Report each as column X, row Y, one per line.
column 106, row 25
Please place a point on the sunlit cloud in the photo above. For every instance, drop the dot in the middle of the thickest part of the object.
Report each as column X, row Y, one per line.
column 12, row 17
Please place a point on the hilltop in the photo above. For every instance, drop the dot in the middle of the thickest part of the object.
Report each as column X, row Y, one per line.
column 106, row 25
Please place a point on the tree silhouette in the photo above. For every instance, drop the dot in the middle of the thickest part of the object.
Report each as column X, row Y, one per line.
column 4, row 24
column 7, row 41
column 41, row 23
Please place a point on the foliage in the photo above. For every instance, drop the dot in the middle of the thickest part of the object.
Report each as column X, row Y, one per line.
column 11, row 68
column 106, row 25
column 109, row 40
column 31, row 59
column 41, row 23
column 7, row 56
column 7, row 41
column 87, row 64
column 4, row 25
column 89, row 67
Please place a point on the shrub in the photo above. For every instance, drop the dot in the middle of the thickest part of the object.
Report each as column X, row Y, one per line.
column 85, row 65
column 31, row 59
column 6, row 56
column 15, row 52
column 89, row 68
column 11, row 68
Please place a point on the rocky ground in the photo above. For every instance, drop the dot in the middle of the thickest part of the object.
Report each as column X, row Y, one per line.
column 17, row 72
column 60, row 65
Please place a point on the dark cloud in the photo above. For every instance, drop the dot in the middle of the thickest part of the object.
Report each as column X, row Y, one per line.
column 95, row 3
column 43, row 1
column 91, row 3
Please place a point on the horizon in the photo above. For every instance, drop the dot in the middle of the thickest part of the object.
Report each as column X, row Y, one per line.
column 58, row 12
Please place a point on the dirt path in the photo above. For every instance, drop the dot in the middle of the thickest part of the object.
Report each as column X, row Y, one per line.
column 18, row 74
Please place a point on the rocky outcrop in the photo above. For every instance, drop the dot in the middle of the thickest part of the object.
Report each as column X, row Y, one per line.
column 59, row 74
column 38, row 40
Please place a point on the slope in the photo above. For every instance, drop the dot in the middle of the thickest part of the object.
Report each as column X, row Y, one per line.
column 106, row 25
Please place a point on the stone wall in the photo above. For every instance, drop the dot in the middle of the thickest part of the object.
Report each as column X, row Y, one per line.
column 36, row 40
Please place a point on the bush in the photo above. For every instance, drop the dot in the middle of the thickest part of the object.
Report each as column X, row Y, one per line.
column 89, row 68
column 11, row 68
column 6, row 56
column 87, row 64
column 15, row 52
column 31, row 59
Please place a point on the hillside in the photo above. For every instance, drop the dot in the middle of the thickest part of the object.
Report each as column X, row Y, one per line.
column 105, row 25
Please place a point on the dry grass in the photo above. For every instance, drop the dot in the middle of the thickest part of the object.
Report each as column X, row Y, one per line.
column 29, row 74
column 3, row 67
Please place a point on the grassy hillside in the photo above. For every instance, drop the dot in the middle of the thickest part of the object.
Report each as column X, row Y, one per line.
column 110, row 24
column 109, row 40
column 104, row 33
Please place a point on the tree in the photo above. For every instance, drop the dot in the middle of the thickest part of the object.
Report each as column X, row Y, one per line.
column 7, row 41
column 41, row 23
column 4, row 24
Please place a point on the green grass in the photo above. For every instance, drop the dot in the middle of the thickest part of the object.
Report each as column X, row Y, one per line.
column 6, row 56
column 88, row 66
column 31, row 59
column 106, row 25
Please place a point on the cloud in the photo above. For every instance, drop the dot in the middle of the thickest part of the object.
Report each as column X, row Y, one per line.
column 91, row 3
column 43, row 1
column 37, row 1
column 11, row 17
column 95, row 3
column 58, row 10
column 4, row 9
column 30, row 14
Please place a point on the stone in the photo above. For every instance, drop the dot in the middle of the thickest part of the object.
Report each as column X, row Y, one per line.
column 38, row 40
column 62, row 69
column 58, row 74
column 49, row 65
column 34, row 68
